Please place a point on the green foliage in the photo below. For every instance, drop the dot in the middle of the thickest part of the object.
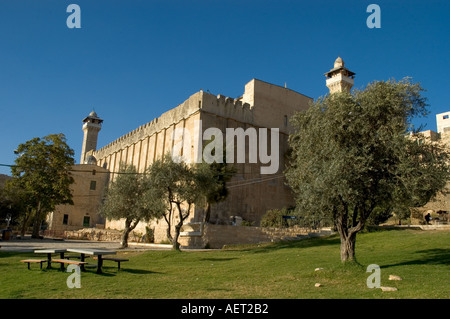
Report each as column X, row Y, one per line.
column 247, row 223
column 19, row 203
column 378, row 216
column 352, row 153
column 42, row 173
column 149, row 235
column 222, row 173
column 131, row 197
column 180, row 186
column 274, row 217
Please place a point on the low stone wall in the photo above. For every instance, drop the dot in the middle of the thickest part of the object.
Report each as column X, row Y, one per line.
column 96, row 234
column 217, row 236
column 207, row 236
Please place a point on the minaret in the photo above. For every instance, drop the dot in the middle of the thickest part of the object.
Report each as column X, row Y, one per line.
column 339, row 78
column 92, row 125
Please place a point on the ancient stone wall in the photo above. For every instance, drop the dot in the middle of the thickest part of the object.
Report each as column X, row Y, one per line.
column 100, row 235
column 439, row 206
column 218, row 236
column 210, row 236
column 251, row 194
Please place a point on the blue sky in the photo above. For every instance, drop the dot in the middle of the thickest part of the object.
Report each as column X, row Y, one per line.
column 132, row 60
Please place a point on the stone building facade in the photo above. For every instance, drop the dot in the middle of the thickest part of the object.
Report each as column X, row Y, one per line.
column 251, row 193
column 438, row 207
column 262, row 108
column 90, row 181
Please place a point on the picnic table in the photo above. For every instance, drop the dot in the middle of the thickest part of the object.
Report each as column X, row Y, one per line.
column 49, row 253
column 92, row 251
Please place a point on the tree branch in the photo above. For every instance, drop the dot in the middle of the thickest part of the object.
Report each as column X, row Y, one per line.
column 355, row 215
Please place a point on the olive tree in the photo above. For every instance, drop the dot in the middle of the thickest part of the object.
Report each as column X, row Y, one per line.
column 182, row 186
column 354, row 152
column 129, row 197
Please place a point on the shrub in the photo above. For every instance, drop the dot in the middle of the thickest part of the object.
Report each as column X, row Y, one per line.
column 274, row 217
column 149, row 235
column 379, row 216
column 247, row 223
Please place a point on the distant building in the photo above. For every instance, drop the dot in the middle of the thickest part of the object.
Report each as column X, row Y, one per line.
column 443, row 122
column 438, row 207
column 89, row 184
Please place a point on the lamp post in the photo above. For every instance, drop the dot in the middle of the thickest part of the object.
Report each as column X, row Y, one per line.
column 8, row 219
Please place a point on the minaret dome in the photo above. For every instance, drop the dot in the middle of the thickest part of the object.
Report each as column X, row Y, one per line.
column 339, row 78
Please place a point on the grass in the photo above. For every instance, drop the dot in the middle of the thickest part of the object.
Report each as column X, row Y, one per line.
column 275, row 271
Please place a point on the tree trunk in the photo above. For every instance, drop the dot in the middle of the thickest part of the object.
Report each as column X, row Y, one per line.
column 36, row 227
column 125, row 235
column 25, row 220
column 168, row 218
column 207, row 213
column 169, row 233
column 23, row 229
column 129, row 226
column 348, row 234
column 175, row 244
column 37, row 222
column 348, row 247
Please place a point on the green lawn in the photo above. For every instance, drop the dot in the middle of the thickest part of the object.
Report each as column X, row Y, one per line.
column 282, row 270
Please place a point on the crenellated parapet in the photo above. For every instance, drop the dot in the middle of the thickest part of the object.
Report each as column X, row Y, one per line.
column 219, row 105
column 228, row 107
column 262, row 105
column 166, row 120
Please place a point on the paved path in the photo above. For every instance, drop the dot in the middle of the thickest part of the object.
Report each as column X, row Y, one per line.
column 29, row 245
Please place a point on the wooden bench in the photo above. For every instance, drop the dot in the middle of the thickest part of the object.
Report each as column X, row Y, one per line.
column 117, row 260
column 74, row 256
column 68, row 261
column 29, row 261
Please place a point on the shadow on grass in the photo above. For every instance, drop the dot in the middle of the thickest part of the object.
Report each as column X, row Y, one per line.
column 24, row 254
column 300, row 243
column 436, row 256
column 138, row 271
column 104, row 274
column 373, row 228
column 217, row 259
column 217, row 289
column 105, row 271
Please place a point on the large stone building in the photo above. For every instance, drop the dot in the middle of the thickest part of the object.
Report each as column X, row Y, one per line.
column 258, row 185
column 251, row 193
column 261, row 115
